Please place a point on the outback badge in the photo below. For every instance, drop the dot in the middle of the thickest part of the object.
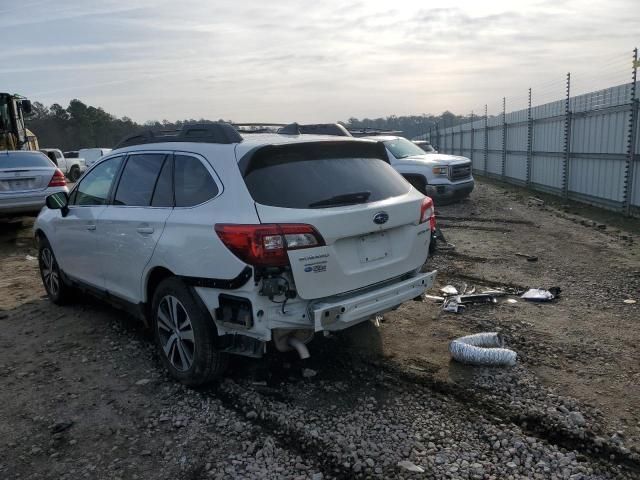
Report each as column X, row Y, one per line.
column 380, row 218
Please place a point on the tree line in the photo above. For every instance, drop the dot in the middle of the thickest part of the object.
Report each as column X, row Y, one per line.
column 84, row 126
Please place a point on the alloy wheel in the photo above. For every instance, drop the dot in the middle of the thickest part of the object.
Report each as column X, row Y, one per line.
column 176, row 333
column 50, row 273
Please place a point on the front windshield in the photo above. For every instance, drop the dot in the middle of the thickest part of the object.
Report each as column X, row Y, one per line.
column 426, row 146
column 403, row 148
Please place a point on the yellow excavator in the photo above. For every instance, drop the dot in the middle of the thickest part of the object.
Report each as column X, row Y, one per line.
column 13, row 133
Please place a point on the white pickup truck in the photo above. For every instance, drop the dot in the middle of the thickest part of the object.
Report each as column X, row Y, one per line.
column 71, row 167
column 445, row 178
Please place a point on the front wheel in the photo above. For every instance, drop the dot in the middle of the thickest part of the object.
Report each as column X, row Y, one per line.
column 58, row 292
column 185, row 335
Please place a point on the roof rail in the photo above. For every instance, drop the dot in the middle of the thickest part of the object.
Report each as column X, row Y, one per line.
column 218, row 132
column 315, row 129
column 368, row 131
column 257, row 127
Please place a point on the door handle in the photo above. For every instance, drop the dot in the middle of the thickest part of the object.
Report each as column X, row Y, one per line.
column 91, row 226
column 145, row 230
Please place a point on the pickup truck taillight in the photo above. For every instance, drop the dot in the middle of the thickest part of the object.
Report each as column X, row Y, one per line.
column 266, row 245
column 428, row 213
column 58, row 179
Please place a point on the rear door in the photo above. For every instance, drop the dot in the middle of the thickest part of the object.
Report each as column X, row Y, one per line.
column 134, row 221
column 24, row 173
column 366, row 212
column 75, row 240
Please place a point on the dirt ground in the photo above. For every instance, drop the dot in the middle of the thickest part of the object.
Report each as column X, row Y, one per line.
column 84, row 396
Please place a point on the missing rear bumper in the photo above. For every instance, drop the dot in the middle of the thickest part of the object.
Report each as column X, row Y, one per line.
column 340, row 313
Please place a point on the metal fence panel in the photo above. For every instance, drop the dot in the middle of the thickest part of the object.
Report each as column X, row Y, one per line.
column 602, row 131
column 546, row 172
column 516, row 166
column 548, row 135
column 494, row 163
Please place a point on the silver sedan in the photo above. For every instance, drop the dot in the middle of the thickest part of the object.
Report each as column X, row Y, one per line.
column 26, row 179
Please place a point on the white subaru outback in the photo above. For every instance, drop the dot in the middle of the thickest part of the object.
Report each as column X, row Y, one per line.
column 223, row 243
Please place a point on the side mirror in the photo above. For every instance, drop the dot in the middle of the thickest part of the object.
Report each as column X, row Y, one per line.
column 26, row 107
column 58, row 201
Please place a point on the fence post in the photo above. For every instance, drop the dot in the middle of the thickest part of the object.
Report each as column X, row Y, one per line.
column 504, row 137
column 566, row 164
column 529, row 140
column 486, row 139
column 461, row 139
column 629, row 173
column 471, row 141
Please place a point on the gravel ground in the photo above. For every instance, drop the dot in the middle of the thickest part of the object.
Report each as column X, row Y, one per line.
column 84, row 396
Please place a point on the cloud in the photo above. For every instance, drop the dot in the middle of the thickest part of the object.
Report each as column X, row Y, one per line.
column 322, row 60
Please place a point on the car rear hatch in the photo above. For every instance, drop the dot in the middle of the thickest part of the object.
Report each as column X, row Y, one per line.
column 367, row 215
column 23, row 172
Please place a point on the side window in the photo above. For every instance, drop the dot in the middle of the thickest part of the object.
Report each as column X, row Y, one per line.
column 52, row 157
column 138, row 179
column 193, row 182
column 163, row 193
column 94, row 187
column 57, row 154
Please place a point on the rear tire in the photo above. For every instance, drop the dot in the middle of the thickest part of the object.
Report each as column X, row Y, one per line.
column 74, row 174
column 185, row 334
column 59, row 292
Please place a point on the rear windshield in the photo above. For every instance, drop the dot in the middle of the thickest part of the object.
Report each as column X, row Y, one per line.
column 321, row 176
column 24, row 160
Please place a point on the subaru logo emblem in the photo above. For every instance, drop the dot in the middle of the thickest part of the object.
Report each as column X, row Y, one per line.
column 380, row 218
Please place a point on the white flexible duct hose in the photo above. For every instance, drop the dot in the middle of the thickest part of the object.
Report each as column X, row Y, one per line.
column 482, row 349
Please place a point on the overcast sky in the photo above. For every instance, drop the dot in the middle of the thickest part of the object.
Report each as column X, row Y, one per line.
column 321, row 60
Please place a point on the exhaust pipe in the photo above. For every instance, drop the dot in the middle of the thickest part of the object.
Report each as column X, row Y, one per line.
column 299, row 347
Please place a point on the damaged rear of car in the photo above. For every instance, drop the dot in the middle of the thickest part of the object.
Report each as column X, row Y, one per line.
column 341, row 237
column 224, row 243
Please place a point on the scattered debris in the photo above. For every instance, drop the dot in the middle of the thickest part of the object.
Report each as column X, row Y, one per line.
column 143, row 381
column 434, row 298
column 59, row 427
column 410, row 466
column 530, row 258
column 452, row 305
column 449, row 290
column 482, row 349
column 308, row 373
column 30, row 258
column 536, row 201
column 540, row 294
column 511, row 300
column 447, row 246
column 629, row 301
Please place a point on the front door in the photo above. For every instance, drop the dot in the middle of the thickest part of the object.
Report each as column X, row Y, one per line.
column 77, row 232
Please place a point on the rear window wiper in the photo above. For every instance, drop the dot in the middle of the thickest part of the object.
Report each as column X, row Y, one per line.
column 344, row 199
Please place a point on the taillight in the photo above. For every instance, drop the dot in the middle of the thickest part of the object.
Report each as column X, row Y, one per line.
column 58, row 179
column 428, row 213
column 266, row 245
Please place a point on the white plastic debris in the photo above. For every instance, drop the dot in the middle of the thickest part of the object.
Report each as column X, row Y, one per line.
column 30, row 258
column 629, row 301
column 512, row 300
column 538, row 295
column 410, row 466
column 449, row 290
